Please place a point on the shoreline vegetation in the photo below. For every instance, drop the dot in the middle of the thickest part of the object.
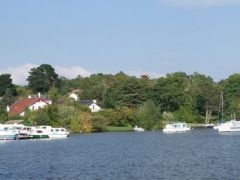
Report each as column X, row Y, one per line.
column 125, row 100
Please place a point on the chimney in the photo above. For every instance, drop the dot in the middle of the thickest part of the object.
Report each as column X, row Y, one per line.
column 8, row 108
column 39, row 94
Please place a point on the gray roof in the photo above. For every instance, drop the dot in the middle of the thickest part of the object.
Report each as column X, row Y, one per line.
column 86, row 102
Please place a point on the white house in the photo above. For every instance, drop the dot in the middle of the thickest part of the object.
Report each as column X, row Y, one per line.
column 19, row 107
column 92, row 105
column 74, row 94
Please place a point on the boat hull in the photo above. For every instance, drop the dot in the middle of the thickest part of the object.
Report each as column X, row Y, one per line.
column 230, row 126
column 39, row 136
column 8, row 137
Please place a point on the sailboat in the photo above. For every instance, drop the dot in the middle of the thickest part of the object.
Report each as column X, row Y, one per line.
column 229, row 126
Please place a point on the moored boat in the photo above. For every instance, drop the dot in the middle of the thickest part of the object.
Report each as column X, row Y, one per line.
column 138, row 129
column 229, row 126
column 176, row 127
column 58, row 133
column 40, row 132
column 7, row 132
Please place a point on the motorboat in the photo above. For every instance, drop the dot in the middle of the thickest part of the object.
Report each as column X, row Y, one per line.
column 7, row 132
column 176, row 127
column 208, row 125
column 229, row 126
column 138, row 129
column 48, row 132
column 58, row 133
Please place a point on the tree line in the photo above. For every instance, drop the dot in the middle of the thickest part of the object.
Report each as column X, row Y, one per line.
column 126, row 100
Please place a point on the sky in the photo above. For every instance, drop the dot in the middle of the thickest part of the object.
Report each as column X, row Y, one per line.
column 153, row 37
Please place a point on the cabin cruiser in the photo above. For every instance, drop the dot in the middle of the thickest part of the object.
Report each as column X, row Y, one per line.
column 176, row 127
column 7, row 132
column 58, row 133
column 138, row 129
column 229, row 126
column 39, row 132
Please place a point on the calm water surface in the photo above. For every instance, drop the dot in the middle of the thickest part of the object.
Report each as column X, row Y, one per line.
column 200, row 154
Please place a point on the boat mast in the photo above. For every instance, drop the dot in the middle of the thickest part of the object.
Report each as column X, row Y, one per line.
column 222, row 104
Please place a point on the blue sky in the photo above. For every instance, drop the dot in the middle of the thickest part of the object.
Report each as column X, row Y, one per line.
column 152, row 37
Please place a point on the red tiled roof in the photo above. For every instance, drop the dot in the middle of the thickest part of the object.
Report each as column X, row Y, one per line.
column 19, row 106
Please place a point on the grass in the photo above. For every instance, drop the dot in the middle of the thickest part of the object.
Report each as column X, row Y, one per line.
column 117, row 129
column 193, row 125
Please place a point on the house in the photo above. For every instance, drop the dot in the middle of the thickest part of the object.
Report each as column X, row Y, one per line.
column 74, row 95
column 92, row 104
column 31, row 103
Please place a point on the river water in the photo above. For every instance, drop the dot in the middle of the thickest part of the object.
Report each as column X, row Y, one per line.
column 200, row 154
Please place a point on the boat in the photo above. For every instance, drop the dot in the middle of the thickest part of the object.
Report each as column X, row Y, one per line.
column 7, row 132
column 229, row 126
column 176, row 127
column 208, row 125
column 138, row 129
column 58, row 133
column 40, row 132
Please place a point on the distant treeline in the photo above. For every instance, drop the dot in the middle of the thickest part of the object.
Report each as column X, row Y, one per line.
column 126, row 100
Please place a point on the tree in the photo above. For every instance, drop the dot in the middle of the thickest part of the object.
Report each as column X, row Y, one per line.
column 81, row 122
column 3, row 115
column 6, row 83
column 148, row 115
column 66, row 114
column 231, row 88
column 8, row 97
column 43, row 78
column 169, row 94
column 132, row 93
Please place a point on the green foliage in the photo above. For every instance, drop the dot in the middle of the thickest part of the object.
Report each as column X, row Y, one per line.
column 8, row 98
column 3, row 115
column 6, row 84
column 53, row 94
column 132, row 93
column 169, row 94
column 99, row 123
column 185, row 114
column 52, row 112
column 231, row 87
column 148, row 115
column 66, row 114
column 81, row 123
column 43, row 78
column 22, row 92
column 41, row 118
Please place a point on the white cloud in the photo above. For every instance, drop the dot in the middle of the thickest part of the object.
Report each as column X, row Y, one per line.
column 72, row 71
column 19, row 74
column 200, row 3
column 139, row 73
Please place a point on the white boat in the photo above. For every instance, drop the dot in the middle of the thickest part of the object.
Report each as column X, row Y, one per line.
column 176, row 127
column 58, row 133
column 229, row 126
column 138, row 129
column 7, row 132
column 215, row 127
column 48, row 132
